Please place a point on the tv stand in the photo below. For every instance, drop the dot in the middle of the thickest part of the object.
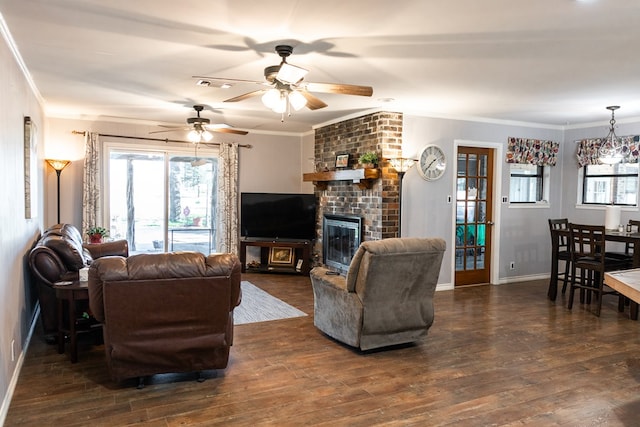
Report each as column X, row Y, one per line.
column 301, row 252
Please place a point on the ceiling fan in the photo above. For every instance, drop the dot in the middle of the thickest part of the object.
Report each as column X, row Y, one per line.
column 286, row 88
column 200, row 128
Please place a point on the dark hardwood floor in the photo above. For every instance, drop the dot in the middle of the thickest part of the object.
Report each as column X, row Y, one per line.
column 496, row 355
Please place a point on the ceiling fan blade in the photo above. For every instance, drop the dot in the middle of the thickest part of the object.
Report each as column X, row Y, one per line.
column 224, row 128
column 169, row 129
column 246, row 96
column 313, row 103
column 224, row 79
column 340, row 88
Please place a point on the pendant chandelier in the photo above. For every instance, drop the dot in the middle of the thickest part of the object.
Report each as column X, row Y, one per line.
column 612, row 150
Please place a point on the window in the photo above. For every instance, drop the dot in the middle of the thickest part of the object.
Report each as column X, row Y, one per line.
column 610, row 184
column 526, row 183
column 162, row 200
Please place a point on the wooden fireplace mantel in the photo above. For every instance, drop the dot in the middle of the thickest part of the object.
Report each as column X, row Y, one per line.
column 362, row 177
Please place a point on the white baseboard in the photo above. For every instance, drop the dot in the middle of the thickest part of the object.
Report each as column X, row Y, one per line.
column 503, row 281
column 4, row 410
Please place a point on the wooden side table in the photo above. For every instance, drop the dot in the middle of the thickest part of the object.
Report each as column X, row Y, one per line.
column 69, row 295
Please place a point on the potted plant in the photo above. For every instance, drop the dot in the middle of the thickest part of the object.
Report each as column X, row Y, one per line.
column 369, row 159
column 96, row 234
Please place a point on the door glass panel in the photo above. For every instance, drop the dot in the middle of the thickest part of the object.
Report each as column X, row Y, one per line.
column 473, row 165
column 153, row 218
column 472, row 188
column 460, row 212
column 482, row 188
column 459, row 259
column 471, row 235
column 471, row 212
column 470, row 259
column 191, row 203
column 481, row 233
column 482, row 211
column 480, row 258
column 462, row 164
column 482, row 169
column 136, row 199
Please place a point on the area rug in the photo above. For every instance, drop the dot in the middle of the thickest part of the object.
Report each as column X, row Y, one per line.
column 260, row 306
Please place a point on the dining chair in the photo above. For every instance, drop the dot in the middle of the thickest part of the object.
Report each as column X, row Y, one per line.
column 587, row 248
column 634, row 226
column 559, row 230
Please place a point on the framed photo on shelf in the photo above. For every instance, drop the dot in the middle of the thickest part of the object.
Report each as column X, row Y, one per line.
column 281, row 257
column 342, row 160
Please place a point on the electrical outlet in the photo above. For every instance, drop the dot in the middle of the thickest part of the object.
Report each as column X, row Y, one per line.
column 505, row 199
column 512, row 266
column 13, row 350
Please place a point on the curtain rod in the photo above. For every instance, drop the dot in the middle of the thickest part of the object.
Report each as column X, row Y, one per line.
column 81, row 132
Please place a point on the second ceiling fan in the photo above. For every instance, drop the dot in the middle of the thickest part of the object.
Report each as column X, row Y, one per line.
column 287, row 88
column 200, row 128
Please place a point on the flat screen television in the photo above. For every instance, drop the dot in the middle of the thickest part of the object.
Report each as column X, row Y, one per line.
column 283, row 216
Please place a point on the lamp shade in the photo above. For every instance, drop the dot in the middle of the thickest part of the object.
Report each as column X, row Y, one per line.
column 401, row 164
column 58, row 165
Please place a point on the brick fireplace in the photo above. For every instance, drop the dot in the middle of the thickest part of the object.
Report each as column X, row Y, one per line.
column 377, row 206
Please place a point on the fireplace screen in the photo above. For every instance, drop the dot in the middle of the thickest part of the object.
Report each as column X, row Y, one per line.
column 340, row 240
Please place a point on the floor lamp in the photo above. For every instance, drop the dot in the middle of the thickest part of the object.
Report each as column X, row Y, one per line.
column 401, row 165
column 58, row 165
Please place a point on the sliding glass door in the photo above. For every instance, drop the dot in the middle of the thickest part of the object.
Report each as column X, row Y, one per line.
column 162, row 200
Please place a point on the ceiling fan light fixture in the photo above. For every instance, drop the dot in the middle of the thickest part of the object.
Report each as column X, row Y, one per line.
column 290, row 74
column 206, row 136
column 193, row 136
column 275, row 100
column 297, row 100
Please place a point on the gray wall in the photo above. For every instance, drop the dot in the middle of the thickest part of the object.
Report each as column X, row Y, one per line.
column 523, row 232
column 17, row 233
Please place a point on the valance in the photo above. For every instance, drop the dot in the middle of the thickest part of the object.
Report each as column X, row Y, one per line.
column 587, row 150
column 532, row 151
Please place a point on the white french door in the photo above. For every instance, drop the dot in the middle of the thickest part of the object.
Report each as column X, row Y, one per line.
column 161, row 199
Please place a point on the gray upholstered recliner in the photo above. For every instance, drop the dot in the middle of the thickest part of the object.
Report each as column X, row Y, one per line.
column 386, row 297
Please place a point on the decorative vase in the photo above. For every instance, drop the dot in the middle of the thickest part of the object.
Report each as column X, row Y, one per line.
column 95, row 238
column 368, row 165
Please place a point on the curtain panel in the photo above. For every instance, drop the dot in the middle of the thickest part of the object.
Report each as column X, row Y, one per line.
column 91, row 205
column 227, row 238
column 587, row 150
column 532, row 151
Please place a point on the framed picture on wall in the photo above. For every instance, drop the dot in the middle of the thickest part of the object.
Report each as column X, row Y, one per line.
column 342, row 160
column 30, row 169
column 281, row 257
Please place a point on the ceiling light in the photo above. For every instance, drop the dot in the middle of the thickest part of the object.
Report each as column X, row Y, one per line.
column 297, row 100
column 611, row 149
column 281, row 100
column 290, row 73
column 199, row 134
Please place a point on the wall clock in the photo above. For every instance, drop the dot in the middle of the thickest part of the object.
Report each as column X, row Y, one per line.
column 431, row 162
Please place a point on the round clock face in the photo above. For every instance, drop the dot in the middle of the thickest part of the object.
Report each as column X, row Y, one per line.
column 432, row 163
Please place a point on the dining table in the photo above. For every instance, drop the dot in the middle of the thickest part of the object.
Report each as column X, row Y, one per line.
column 631, row 238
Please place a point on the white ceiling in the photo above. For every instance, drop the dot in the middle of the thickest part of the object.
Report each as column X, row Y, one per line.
column 551, row 62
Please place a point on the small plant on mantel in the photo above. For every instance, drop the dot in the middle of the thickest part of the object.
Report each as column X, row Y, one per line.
column 369, row 159
column 96, row 234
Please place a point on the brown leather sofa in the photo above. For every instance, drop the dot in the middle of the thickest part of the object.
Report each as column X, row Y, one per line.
column 58, row 256
column 165, row 312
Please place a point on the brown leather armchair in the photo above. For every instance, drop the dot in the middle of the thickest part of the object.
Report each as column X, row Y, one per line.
column 165, row 312
column 57, row 256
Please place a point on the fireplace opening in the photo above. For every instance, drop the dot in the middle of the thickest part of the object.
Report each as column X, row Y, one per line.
column 341, row 237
